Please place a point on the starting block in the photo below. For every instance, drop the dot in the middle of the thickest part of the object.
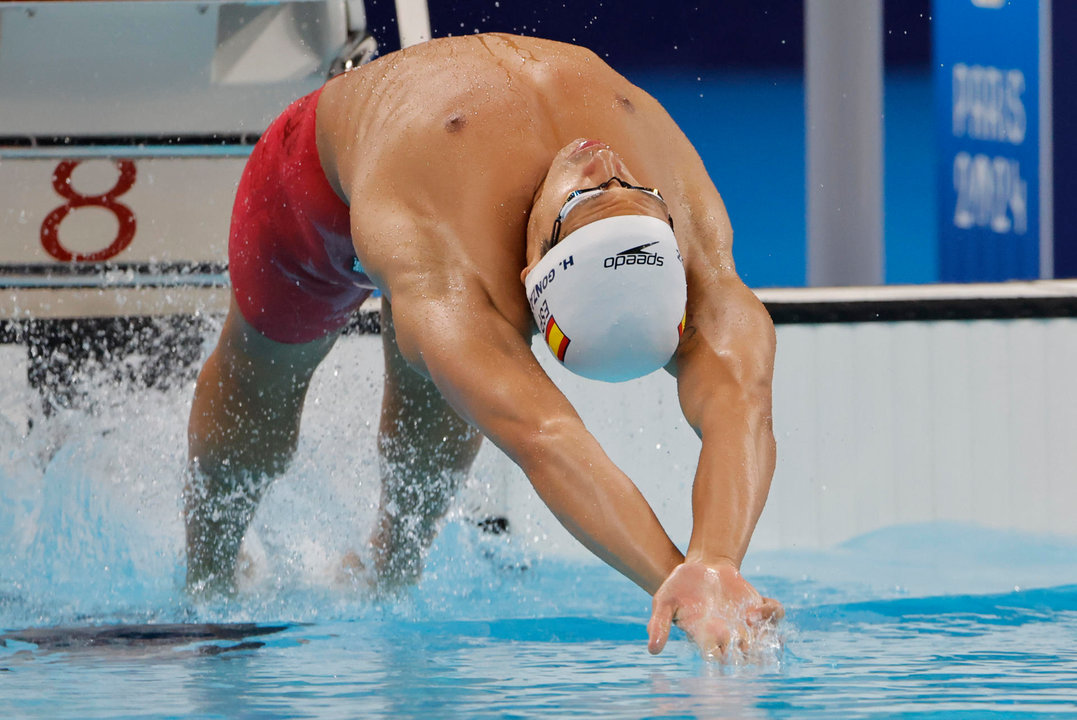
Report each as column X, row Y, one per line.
column 124, row 129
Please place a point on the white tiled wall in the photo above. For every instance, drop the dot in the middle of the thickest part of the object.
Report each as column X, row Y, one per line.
column 883, row 424
column 878, row 424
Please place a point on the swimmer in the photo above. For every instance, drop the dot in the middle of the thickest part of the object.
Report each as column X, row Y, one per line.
column 455, row 176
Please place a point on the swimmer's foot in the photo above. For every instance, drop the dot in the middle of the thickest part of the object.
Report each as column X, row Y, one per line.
column 211, row 589
column 354, row 573
column 214, row 576
column 397, row 549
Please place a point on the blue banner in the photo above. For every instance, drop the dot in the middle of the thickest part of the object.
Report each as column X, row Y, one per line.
column 987, row 90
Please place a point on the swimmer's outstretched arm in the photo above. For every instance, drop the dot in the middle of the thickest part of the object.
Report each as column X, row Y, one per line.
column 493, row 380
column 724, row 367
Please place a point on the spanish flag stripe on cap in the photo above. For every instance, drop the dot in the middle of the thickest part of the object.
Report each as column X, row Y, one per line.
column 680, row 328
column 556, row 339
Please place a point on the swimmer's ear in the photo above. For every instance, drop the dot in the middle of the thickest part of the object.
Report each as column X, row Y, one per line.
column 543, row 249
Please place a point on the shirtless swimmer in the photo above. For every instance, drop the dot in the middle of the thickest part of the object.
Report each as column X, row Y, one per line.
column 447, row 175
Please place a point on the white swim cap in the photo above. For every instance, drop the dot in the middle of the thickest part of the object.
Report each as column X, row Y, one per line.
column 610, row 297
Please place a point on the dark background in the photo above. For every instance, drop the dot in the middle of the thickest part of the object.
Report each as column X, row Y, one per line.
column 730, row 72
column 631, row 34
column 663, row 47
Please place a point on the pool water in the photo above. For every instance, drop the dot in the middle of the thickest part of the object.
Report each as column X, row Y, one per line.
column 560, row 640
column 935, row 620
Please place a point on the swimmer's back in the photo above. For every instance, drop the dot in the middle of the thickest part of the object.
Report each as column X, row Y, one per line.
column 440, row 149
column 505, row 92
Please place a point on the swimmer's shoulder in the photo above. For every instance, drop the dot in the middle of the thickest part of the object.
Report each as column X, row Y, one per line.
column 475, row 65
column 502, row 48
column 472, row 92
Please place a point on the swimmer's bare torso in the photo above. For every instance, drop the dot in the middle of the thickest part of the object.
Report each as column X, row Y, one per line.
column 439, row 150
column 455, row 158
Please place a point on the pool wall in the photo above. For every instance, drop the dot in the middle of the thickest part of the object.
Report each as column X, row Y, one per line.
column 877, row 425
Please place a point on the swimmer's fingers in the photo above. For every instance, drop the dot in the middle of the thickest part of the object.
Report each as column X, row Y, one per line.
column 717, row 639
column 768, row 612
column 659, row 625
column 758, row 621
column 772, row 611
column 713, row 635
column 711, row 631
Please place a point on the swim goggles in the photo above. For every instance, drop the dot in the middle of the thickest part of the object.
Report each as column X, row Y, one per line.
column 578, row 196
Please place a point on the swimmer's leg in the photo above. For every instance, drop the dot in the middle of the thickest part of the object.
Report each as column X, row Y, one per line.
column 243, row 430
column 426, row 451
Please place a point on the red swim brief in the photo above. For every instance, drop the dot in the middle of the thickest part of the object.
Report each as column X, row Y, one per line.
column 294, row 271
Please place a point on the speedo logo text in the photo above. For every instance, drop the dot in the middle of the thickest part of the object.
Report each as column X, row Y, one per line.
column 634, row 256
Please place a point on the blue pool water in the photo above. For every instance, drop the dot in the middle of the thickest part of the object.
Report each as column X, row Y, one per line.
column 560, row 640
column 921, row 621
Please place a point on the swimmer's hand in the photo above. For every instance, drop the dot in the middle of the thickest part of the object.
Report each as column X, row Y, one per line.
column 715, row 606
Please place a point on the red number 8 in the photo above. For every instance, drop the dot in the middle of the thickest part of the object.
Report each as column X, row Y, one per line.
column 61, row 181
